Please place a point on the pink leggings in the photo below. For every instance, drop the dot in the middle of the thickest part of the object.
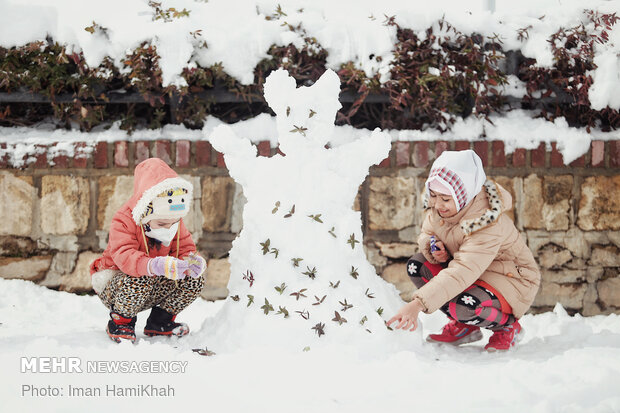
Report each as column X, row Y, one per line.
column 475, row 306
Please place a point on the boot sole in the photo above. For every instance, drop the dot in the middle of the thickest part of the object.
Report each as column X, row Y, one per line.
column 118, row 338
column 471, row 338
column 153, row 333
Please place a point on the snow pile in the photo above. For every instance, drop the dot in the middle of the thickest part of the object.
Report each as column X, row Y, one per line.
column 298, row 268
column 575, row 361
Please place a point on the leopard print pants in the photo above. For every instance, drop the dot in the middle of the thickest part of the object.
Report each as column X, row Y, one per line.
column 127, row 295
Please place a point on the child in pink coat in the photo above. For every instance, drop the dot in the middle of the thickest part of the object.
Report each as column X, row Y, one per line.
column 473, row 264
column 150, row 261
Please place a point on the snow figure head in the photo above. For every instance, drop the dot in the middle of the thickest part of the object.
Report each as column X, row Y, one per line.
column 301, row 125
column 299, row 275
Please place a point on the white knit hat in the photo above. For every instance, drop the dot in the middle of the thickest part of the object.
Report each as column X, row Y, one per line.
column 461, row 172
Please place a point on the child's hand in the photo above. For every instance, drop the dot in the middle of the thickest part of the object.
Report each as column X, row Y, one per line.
column 197, row 264
column 169, row 267
column 407, row 315
column 442, row 254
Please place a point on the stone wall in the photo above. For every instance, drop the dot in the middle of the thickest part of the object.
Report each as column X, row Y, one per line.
column 56, row 213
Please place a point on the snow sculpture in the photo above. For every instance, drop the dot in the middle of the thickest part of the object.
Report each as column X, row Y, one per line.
column 299, row 274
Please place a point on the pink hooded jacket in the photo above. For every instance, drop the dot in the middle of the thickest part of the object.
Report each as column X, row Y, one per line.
column 126, row 250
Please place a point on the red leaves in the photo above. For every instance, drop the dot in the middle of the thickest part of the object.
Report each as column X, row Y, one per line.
column 568, row 82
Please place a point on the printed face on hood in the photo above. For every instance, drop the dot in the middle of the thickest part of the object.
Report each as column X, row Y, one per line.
column 159, row 193
column 172, row 204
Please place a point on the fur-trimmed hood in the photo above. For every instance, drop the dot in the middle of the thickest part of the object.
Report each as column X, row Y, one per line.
column 152, row 177
column 499, row 201
column 127, row 249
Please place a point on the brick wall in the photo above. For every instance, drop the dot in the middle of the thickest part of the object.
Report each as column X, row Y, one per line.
column 56, row 212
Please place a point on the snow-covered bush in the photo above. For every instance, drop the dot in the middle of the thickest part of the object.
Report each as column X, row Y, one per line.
column 433, row 77
column 570, row 79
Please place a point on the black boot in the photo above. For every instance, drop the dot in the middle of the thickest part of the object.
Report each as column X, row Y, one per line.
column 121, row 328
column 161, row 323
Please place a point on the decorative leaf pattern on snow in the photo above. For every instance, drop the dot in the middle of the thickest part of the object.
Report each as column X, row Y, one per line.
column 299, row 294
column 299, row 129
column 319, row 328
column 267, row 307
column 266, row 245
column 249, row 277
column 316, row 217
column 310, row 273
column 338, row 318
column 280, row 288
column 345, row 305
column 304, row 314
column 283, row 310
column 290, row 213
column 319, row 301
column 352, row 241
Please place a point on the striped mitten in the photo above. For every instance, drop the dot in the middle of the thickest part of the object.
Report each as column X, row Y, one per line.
column 197, row 264
column 169, row 267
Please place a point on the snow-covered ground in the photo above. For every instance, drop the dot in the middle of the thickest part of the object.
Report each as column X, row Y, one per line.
column 563, row 364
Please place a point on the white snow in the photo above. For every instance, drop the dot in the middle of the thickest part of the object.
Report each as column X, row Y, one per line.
column 563, row 364
column 516, row 128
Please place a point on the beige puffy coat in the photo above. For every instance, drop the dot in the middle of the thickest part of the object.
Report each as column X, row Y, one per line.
column 484, row 244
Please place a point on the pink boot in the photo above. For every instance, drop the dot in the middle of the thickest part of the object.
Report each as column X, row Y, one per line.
column 456, row 333
column 505, row 338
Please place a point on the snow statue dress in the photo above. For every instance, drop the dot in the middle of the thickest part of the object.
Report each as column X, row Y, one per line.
column 299, row 274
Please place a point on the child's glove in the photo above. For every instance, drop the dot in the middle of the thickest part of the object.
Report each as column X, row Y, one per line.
column 197, row 264
column 438, row 250
column 169, row 267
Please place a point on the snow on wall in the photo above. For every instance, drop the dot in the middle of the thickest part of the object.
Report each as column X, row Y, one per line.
column 516, row 129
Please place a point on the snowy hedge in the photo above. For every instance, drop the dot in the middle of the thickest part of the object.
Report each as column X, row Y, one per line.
column 429, row 77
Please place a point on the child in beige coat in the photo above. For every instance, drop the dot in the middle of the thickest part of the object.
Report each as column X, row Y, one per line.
column 474, row 266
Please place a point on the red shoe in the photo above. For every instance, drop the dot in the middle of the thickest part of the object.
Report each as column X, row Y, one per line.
column 505, row 338
column 456, row 333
